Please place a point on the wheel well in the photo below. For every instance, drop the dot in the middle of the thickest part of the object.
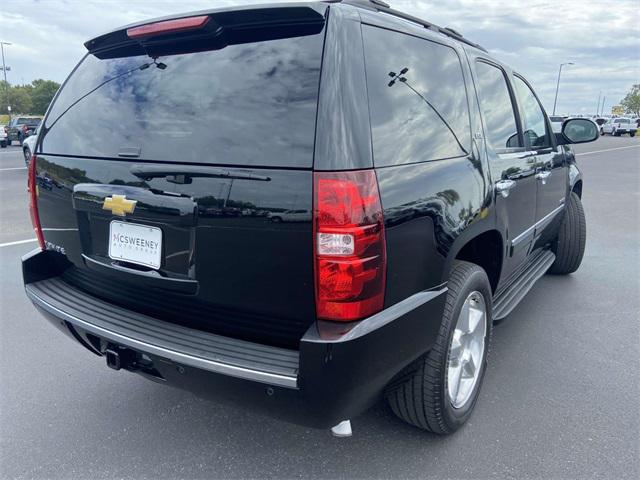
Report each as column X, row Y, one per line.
column 485, row 250
column 578, row 188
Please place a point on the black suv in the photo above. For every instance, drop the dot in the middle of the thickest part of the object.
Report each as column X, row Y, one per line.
column 436, row 194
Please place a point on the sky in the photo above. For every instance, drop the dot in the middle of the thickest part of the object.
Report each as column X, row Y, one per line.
column 601, row 38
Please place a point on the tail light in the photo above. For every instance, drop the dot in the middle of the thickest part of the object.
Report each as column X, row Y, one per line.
column 177, row 25
column 32, row 184
column 350, row 251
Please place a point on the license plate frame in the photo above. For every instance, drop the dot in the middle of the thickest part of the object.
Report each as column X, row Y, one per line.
column 135, row 243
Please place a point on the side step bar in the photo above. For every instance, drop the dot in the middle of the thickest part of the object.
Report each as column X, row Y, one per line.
column 509, row 298
column 195, row 348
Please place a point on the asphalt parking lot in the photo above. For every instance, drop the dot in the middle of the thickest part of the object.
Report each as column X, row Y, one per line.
column 560, row 399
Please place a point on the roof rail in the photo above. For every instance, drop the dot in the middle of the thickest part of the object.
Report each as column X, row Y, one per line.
column 380, row 6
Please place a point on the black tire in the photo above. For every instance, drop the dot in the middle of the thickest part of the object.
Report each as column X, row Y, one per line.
column 616, row 133
column 602, row 132
column 572, row 238
column 3, row 144
column 632, row 134
column 27, row 155
column 418, row 395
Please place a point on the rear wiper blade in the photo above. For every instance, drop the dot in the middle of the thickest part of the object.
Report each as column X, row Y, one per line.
column 143, row 66
column 183, row 174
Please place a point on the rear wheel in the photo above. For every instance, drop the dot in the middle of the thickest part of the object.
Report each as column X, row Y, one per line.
column 572, row 238
column 27, row 154
column 632, row 134
column 438, row 391
column 615, row 133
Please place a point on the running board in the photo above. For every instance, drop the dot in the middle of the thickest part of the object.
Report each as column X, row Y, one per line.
column 508, row 299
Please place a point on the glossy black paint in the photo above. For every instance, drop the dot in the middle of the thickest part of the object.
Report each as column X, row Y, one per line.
column 340, row 374
column 237, row 262
column 217, row 231
column 343, row 135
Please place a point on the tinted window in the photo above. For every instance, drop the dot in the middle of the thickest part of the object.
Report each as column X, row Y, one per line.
column 246, row 104
column 28, row 121
column 622, row 120
column 534, row 124
column 417, row 99
column 497, row 110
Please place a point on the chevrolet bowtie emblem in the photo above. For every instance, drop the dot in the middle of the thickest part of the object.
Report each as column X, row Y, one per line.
column 119, row 205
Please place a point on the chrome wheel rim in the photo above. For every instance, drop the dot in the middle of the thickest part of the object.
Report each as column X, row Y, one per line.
column 466, row 352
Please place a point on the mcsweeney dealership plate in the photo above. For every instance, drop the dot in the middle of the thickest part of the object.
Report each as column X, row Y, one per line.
column 139, row 244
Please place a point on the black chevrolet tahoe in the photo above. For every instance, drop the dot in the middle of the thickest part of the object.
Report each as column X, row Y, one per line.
column 431, row 195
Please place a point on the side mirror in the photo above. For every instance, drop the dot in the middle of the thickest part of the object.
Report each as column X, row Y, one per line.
column 577, row 130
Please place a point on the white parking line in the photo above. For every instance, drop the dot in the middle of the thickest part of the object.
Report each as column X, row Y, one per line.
column 607, row 150
column 18, row 242
column 13, row 168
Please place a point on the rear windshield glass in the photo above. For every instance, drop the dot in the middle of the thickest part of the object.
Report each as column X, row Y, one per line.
column 246, row 104
column 622, row 120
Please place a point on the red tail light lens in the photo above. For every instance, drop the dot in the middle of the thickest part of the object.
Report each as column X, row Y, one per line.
column 169, row 26
column 350, row 250
column 32, row 184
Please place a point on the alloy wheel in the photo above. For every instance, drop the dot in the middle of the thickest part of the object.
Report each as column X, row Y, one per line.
column 467, row 350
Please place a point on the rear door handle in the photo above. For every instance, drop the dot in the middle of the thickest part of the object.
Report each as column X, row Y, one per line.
column 504, row 186
column 543, row 176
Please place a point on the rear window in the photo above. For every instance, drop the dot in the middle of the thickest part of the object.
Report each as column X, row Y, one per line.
column 622, row 120
column 28, row 121
column 246, row 104
column 417, row 99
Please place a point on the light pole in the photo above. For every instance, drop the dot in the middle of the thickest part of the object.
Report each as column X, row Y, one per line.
column 6, row 84
column 598, row 107
column 558, row 85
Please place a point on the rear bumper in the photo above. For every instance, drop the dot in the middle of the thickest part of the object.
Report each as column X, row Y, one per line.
column 337, row 373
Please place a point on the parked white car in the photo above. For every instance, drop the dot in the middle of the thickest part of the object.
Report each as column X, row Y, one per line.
column 29, row 146
column 290, row 216
column 619, row 126
column 556, row 123
column 3, row 136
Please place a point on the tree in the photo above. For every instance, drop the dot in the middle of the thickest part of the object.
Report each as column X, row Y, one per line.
column 632, row 101
column 20, row 99
column 42, row 94
column 33, row 98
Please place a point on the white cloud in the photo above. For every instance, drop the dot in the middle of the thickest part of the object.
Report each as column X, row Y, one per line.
column 602, row 38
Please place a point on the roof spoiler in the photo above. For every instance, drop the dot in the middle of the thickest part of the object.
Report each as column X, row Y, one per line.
column 209, row 30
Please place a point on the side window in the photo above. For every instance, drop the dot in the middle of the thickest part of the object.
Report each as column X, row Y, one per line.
column 500, row 124
column 534, row 124
column 417, row 99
